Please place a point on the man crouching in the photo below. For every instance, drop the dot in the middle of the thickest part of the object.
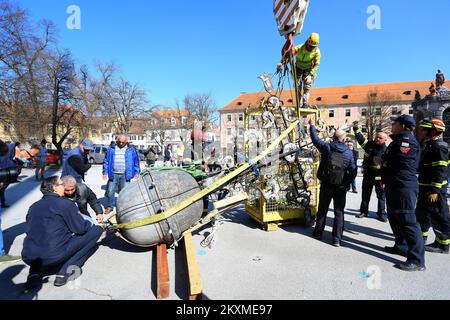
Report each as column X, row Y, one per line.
column 57, row 236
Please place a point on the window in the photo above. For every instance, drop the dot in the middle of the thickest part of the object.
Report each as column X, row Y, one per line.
column 331, row 113
column 173, row 121
column 229, row 131
column 378, row 111
column 411, row 111
column 253, row 118
column 348, row 112
column 7, row 128
column 364, row 112
column 229, row 117
column 183, row 121
column 241, row 132
column 394, row 111
column 241, row 117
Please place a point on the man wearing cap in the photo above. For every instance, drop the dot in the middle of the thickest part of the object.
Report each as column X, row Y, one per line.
column 76, row 163
column 432, row 205
column 399, row 166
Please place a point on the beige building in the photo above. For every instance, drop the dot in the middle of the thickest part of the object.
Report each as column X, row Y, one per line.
column 337, row 105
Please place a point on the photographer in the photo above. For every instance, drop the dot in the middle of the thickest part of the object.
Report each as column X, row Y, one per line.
column 7, row 154
column 6, row 162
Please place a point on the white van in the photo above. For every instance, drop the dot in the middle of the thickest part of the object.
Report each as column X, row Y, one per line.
column 97, row 156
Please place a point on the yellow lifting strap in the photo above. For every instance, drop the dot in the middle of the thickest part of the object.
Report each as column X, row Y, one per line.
column 200, row 195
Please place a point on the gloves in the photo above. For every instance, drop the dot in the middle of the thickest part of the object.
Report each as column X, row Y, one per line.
column 433, row 197
column 279, row 67
column 355, row 126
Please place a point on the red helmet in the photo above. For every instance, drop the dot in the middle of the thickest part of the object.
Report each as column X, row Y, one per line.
column 433, row 123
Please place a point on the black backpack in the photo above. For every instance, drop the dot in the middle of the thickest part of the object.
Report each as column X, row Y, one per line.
column 334, row 170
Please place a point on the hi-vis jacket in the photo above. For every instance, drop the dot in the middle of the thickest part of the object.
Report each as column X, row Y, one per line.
column 308, row 60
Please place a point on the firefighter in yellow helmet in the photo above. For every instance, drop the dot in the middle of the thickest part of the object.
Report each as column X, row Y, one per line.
column 432, row 208
column 307, row 63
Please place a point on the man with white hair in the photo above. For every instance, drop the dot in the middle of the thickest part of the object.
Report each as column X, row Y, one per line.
column 120, row 166
column 82, row 195
column 336, row 171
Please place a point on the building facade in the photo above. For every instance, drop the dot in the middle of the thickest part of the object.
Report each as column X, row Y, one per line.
column 338, row 106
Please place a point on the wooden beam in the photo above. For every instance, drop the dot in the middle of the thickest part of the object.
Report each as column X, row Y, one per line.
column 162, row 267
column 193, row 271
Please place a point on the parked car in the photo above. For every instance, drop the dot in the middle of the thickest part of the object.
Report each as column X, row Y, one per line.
column 53, row 157
column 97, row 156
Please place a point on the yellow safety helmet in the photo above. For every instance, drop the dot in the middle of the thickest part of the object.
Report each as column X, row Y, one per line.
column 313, row 40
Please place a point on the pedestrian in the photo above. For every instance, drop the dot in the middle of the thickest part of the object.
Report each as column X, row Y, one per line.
column 432, row 207
column 355, row 157
column 336, row 171
column 57, row 236
column 168, row 155
column 82, row 195
column 40, row 161
column 120, row 166
column 399, row 165
column 76, row 163
column 151, row 155
column 180, row 154
column 372, row 173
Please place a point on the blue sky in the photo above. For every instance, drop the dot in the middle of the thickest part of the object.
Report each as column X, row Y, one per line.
column 176, row 47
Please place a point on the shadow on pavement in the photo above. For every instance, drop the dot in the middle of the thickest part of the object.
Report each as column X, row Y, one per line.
column 12, row 291
column 116, row 243
column 10, row 234
column 17, row 191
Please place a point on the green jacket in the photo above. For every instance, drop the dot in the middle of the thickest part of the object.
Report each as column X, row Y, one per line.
column 308, row 61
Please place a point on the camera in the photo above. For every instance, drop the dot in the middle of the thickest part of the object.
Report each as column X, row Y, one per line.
column 8, row 176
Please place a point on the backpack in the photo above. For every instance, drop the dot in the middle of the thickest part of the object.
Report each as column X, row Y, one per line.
column 334, row 169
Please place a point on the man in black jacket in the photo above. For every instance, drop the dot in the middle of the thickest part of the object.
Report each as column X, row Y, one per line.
column 76, row 163
column 372, row 173
column 82, row 195
column 335, row 177
column 57, row 235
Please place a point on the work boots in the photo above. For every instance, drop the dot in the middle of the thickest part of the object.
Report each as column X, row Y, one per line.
column 436, row 247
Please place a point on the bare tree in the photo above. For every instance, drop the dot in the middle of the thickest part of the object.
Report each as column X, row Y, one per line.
column 378, row 111
column 201, row 107
column 64, row 116
column 122, row 101
column 22, row 50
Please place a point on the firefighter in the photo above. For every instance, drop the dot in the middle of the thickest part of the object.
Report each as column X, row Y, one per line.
column 432, row 202
column 307, row 63
column 399, row 166
column 372, row 173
